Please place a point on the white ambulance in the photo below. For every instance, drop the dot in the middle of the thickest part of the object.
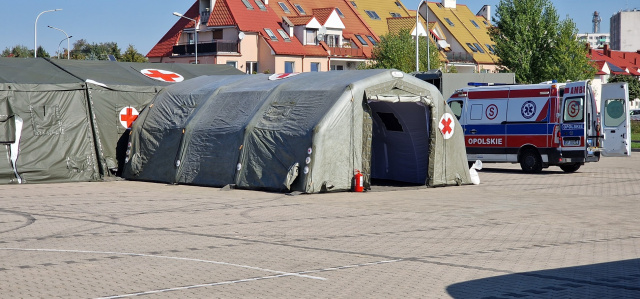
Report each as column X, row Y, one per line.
column 541, row 125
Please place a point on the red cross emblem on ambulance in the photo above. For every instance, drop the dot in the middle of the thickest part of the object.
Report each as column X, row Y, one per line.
column 162, row 75
column 446, row 125
column 127, row 116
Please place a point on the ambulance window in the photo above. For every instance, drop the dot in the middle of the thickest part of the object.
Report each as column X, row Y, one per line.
column 456, row 107
column 574, row 109
column 614, row 113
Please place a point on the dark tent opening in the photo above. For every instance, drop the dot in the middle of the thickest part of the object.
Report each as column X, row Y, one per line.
column 400, row 143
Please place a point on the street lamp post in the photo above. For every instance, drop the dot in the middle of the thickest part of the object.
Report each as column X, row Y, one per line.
column 68, row 37
column 35, row 32
column 418, row 37
column 196, row 32
column 60, row 43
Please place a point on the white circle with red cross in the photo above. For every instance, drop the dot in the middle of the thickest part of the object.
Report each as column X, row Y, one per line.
column 282, row 76
column 127, row 116
column 446, row 125
column 162, row 75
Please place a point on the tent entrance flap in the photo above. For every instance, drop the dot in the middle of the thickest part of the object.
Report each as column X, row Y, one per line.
column 400, row 141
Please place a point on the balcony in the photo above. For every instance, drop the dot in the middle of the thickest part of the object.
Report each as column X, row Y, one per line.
column 346, row 52
column 460, row 57
column 218, row 46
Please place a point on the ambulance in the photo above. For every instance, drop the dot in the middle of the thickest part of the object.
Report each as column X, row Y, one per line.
column 542, row 125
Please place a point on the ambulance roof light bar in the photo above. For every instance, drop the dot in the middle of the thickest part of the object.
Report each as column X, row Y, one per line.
column 476, row 84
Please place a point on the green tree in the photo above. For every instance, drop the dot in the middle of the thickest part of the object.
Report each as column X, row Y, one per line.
column 533, row 43
column 634, row 84
column 42, row 52
column 132, row 55
column 83, row 50
column 17, row 51
column 397, row 51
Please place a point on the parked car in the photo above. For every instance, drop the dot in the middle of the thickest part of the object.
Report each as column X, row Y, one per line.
column 635, row 114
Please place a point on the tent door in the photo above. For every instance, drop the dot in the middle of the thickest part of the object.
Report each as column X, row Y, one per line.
column 400, row 142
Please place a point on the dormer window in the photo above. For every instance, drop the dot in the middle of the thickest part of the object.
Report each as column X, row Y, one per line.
column 479, row 47
column 284, row 35
column 475, row 24
column 372, row 14
column 260, row 5
column 339, row 12
column 299, row 8
column 284, row 7
column 247, row 4
column 372, row 40
column 272, row 36
column 472, row 47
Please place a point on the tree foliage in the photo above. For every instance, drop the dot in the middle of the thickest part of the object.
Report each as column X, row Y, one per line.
column 532, row 42
column 397, row 51
column 634, row 84
column 17, row 51
column 132, row 55
column 82, row 50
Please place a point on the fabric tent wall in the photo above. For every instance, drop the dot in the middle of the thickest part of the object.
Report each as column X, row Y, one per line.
column 305, row 133
column 52, row 139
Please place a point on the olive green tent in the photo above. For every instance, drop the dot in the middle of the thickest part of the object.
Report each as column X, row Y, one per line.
column 308, row 132
column 61, row 120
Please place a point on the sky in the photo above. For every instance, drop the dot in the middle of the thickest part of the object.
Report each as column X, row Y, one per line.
column 142, row 23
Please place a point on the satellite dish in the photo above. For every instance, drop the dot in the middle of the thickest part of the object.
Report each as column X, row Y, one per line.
column 240, row 35
column 320, row 36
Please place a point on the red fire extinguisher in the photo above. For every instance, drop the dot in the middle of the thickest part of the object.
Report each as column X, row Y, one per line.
column 359, row 182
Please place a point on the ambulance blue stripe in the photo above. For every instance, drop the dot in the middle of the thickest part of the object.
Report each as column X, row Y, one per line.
column 517, row 129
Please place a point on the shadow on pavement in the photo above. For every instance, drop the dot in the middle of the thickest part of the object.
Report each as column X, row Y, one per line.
column 620, row 279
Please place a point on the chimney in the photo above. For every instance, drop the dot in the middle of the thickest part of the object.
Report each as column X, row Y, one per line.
column 606, row 51
column 449, row 3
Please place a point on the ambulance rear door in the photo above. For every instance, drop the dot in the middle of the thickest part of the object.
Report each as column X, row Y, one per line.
column 573, row 128
column 614, row 118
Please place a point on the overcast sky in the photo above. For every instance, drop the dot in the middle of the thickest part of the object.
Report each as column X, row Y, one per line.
column 143, row 22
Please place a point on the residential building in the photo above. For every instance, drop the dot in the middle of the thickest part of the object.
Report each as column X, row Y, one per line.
column 610, row 62
column 595, row 40
column 625, row 29
column 262, row 36
column 375, row 13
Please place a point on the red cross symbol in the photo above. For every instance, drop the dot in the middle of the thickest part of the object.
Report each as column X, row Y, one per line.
column 127, row 116
column 281, row 76
column 446, row 125
column 161, row 75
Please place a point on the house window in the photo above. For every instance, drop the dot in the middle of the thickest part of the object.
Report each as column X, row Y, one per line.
column 354, row 4
column 372, row 14
column 449, row 21
column 337, row 67
column 315, row 66
column 395, row 15
column 217, row 34
column 284, row 7
column 312, row 35
column 284, row 35
column 372, row 40
column 289, row 66
column 478, row 47
column 247, row 4
column 190, row 39
column 362, row 41
column 485, row 23
column 339, row 12
column 491, row 49
column 332, row 40
column 252, row 67
column 398, row 4
column 475, row 24
column 473, row 48
column 299, row 8
column 233, row 63
column 272, row 36
column 260, row 5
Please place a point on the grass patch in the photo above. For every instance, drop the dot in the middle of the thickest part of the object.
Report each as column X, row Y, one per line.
column 635, row 134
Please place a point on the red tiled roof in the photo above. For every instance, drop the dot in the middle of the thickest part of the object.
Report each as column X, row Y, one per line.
column 165, row 46
column 322, row 14
column 221, row 16
column 628, row 61
column 300, row 20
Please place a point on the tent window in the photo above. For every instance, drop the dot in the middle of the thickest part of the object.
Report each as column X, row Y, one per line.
column 390, row 121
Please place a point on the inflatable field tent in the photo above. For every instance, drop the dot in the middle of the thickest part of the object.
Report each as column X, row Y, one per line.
column 61, row 121
column 308, row 132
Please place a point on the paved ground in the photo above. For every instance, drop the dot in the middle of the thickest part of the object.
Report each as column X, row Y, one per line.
column 552, row 235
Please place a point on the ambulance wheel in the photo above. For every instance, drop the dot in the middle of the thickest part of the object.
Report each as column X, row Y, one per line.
column 530, row 161
column 570, row 167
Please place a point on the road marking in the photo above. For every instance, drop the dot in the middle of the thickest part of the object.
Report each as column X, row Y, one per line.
column 280, row 273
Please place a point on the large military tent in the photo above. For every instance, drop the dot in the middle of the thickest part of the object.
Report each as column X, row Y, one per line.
column 308, row 132
column 60, row 120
